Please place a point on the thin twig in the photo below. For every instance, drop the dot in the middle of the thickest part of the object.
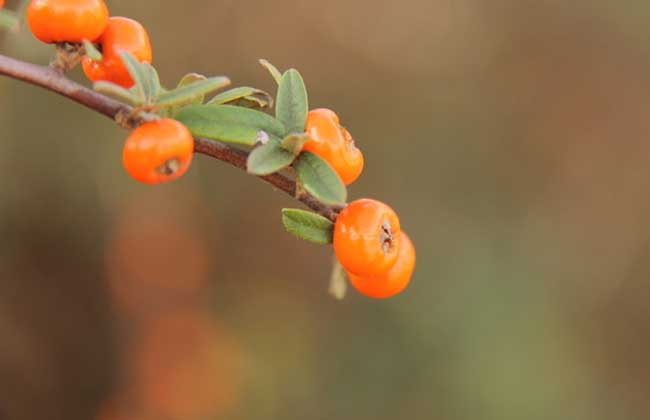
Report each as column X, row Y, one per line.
column 54, row 81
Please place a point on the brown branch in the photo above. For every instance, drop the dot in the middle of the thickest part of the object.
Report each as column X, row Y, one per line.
column 54, row 81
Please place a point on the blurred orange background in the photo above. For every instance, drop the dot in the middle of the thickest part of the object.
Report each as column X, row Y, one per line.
column 510, row 135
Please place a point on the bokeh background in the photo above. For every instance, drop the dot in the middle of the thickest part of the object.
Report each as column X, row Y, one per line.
column 510, row 135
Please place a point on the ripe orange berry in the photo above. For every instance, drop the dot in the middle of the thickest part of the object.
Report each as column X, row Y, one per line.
column 333, row 143
column 158, row 151
column 2, row 3
column 121, row 34
column 67, row 20
column 366, row 237
column 395, row 279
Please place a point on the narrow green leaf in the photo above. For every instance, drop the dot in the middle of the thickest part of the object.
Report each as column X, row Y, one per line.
column 294, row 142
column 307, row 225
column 188, row 79
column 154, row 88
column 192, row 91
column 231, row 124
column 91, row 51
column 138, row 74
column 117, row 92
column 317, row 177
column 268, row 158
column 275, row 73
column 291, row 104
column 338, row 283
column 9, row 20
column 243, row 94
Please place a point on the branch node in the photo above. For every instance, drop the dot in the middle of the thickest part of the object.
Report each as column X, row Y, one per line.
column 67, row 57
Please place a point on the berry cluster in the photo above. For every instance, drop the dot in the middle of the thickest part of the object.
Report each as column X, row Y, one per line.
column 378, row 256
column 116, row 54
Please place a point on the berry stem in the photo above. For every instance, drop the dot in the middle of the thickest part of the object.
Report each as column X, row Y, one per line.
column 57, row 82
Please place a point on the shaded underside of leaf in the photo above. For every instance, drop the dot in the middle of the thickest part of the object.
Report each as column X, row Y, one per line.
column 291, row 104
column 268, row 158
column 192, row 91
column 229, row 123
column 319, row 179
column 308, row 225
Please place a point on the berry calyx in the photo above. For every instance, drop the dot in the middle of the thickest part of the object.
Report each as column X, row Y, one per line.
column 395, row 279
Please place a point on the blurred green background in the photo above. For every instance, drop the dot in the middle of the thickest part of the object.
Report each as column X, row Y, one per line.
column 510, row 135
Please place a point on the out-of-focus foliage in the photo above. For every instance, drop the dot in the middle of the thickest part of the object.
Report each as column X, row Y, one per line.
column 510, row 135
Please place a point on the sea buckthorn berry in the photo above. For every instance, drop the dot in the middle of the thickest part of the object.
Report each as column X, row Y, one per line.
column 366, row 237
column 67, row 20
column 333, row 143
column 395, row 279
column 121, row 34
column 158, row 151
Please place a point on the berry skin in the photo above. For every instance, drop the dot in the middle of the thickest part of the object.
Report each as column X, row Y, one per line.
column 333, row 143
column 2, row 3
column 366, row 237
column 158, row 151
column 67, row 20
column 395, row 279
column 121, row 34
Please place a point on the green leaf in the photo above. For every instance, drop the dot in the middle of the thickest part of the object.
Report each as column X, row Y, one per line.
column 307, row 225
column 153, row 88
column 190, row 78
column 117, row 92
column 231, row 124
column 294, row 143
column 338, row 284
column 317, row 177
column 9, row 20
column 275, row 73
column 91, row 51
column 138, row 74
column 193, row 91
column 291, row 103
column 241, row 95
column 268, row 158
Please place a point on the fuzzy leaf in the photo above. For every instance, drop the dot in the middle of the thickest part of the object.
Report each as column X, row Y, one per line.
column 338, row 283
column 9, row 20
column 317, row 177
column 307, row 225
column 268, row 158
column 242, row 95
column 291, row 104
column 138, row 74
column 91, row 51
column 193, row 91
column 231, row 124
column 275, row 73
column 294, row 142
column 153, row 88
column 117, row 92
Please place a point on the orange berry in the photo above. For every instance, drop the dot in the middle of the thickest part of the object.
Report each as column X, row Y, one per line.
column 395, row 279
column 333, row 143
column 366, row 237
column 67, row 20
column 121, row 34
column 158, row 151
column 2, row 3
